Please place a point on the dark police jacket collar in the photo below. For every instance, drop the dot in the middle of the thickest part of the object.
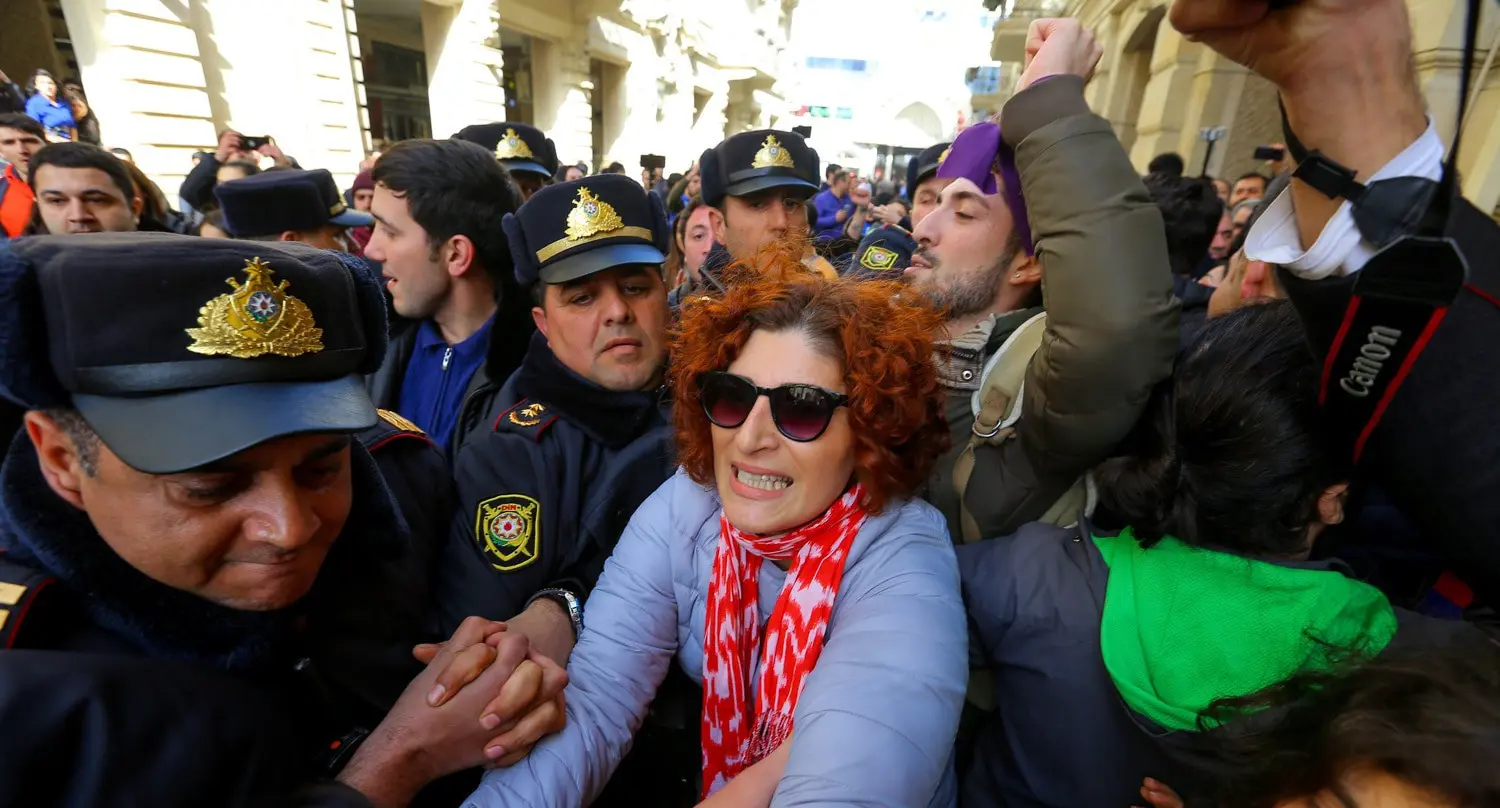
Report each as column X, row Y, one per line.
column 40, row 530
column 606, row 416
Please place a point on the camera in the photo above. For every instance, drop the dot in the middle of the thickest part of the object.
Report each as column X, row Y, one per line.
column 252, row 143
column 650, row 161
column 1273, row 153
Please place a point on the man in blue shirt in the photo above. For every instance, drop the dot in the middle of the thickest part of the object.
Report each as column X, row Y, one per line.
column 437, row 207
column 833, row 206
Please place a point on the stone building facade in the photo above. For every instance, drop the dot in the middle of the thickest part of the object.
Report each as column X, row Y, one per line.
column 609, row 80
column 1161, row 92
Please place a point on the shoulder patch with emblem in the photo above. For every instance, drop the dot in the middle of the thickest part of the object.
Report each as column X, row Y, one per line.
column 507, row 527
column 878, row 258
column 528, row 417
column 19, row 589
column 398, row 421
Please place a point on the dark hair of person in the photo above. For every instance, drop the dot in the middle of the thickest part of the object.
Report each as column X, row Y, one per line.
column 1190, row 210
column 615, row 168
column 1167, row 163
column 675, row 257
column 1428, row 716
column 896, row 402
column 212, row 216
column 84, row 155
column 830, row 170
column 1253, row 175
column 1232, row 452
column 154, row 207
column 250, row 169
column 73, row 92
column 454, row 188
column 47, row 74
column 21, row 122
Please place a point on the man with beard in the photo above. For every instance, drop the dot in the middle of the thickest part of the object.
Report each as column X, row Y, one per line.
column 1049, row 190
column 574, row 442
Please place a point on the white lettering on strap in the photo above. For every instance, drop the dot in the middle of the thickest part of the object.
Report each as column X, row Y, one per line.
column 1371, row 360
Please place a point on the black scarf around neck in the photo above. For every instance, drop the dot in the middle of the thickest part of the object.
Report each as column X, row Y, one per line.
column 612, row 418
column 39, row 529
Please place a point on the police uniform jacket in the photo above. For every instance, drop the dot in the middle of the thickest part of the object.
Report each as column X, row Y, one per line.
column 119, row 690
column 546, row 490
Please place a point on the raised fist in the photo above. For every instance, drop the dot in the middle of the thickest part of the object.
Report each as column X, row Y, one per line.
column 1059, row 46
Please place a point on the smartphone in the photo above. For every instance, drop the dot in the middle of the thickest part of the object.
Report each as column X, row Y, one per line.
column 252, row 143
column 1269, row 153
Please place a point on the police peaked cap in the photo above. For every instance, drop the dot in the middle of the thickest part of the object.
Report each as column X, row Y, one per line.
column 923, row 166
column 180, row 351
column 287, row 199
column 529, row 150
column 754, row 161
column 574, row 229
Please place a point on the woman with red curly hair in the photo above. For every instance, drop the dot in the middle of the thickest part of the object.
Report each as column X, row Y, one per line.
column 786, row 566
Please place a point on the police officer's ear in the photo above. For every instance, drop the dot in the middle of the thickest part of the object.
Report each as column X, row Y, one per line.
column 716, row 224
column 63, row 464
column 290, row 235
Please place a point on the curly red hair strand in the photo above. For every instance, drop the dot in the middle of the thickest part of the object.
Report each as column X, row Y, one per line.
column 883, row 335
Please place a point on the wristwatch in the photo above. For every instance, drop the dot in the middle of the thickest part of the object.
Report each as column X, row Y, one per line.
column 569, row 603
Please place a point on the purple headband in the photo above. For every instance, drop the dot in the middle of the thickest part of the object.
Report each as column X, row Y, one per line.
column 972, row 156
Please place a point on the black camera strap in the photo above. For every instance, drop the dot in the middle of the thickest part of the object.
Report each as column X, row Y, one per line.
column 1400, row 297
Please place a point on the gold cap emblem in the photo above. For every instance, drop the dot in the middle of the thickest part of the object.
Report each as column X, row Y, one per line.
column 512, row 147
column 772, row 155
column 591, row 216
column 256, row 319
column 944, row 155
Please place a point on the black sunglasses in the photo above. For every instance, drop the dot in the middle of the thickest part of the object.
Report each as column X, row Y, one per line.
column 801, row 412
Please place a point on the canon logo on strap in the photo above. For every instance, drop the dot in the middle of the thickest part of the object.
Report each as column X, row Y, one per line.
column 1371, row 360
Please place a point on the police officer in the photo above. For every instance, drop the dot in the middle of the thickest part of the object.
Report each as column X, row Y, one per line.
column 886, row 250
column 528, row 154
column 195, row 554
column 289, row 205
column 759, row 183
column 577, row 438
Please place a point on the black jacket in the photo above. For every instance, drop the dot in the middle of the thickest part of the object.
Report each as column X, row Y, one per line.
column 510, row 334
column 123, row 691
column 546, row 488
column 1434, row 452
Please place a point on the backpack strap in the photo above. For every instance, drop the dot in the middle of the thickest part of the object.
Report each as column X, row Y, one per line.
column 997, row 406
column 20, row 586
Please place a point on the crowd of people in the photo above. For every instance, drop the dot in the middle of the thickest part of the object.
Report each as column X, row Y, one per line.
column 1025, row 479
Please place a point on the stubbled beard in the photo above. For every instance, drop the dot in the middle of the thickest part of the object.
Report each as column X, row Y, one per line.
column 968, row 293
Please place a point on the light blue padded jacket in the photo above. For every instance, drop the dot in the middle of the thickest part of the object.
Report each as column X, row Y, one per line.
column 875, row 723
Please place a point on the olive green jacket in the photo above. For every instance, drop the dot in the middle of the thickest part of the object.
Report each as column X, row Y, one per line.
column 1111, row 332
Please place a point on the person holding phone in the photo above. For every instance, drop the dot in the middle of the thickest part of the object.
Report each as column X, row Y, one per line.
column 198, row 187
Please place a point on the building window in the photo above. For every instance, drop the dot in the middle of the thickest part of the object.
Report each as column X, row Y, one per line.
column 846, row 65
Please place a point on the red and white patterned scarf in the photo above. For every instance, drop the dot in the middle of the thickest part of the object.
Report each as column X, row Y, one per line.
column 794, row 634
